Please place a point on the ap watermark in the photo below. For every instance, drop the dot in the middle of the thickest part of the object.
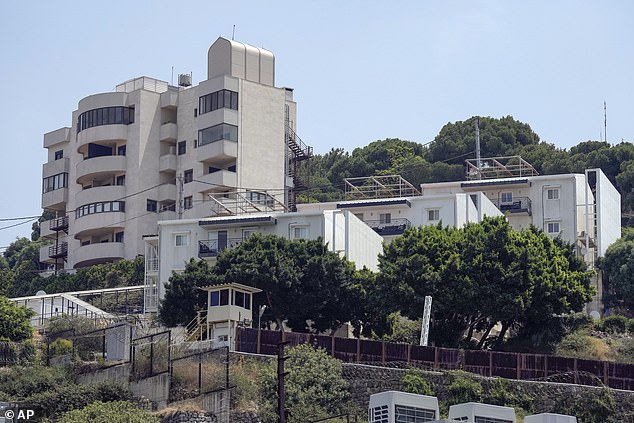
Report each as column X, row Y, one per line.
column 10, row 413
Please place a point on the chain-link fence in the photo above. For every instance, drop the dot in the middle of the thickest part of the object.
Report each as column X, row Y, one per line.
column 150, row 355
column 199, row 373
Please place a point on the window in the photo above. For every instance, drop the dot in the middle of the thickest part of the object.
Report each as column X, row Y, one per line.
column 433, row 215
column 151, row 205
column 181, row 240
column 120, row 180
column 218, row 100
column 121, row 150
column 188, row 175
column 553, row 227
column 224, row 131
column 359, row 216
column 182, row 147
column 118, row 115
column 242, row 299
column 55, row 182
column 506, row 197
column 188, row 202
column 214, row 298
column 224, row 297
column 299, row 232
column 552, row 193
column 385, row 217
column 248, row 232
column 100, row 207
column 59, row 154
column 118, row 237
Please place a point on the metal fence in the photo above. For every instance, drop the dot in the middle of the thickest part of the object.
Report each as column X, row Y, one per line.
column 199, row 373
column 150, row 355
column 486, row 363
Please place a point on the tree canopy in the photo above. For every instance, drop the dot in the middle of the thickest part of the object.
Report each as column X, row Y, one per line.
column 480, row 275
column 303, row 284
column 15, row 321
column 618, row 272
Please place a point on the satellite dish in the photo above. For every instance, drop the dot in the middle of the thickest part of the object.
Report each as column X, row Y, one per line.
column 40, row 293
column 595, row 315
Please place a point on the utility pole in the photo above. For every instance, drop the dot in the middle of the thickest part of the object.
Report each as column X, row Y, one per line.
column 281, row 390
column 424, row 333
column 179, row 178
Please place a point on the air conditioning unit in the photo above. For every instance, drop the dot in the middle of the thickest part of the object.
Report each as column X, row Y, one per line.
column 473, row 412
column 550, row 418
column 395, row 406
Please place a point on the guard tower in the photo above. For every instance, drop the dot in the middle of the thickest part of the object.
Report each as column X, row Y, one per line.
column 228, row 305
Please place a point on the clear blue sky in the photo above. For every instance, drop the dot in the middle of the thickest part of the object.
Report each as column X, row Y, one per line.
column 361, row 70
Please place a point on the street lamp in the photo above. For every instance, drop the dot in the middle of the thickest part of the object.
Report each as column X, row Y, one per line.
column 262, row 308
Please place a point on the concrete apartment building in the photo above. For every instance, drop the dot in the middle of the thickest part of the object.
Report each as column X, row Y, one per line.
column 178, row 241
column 150, row 151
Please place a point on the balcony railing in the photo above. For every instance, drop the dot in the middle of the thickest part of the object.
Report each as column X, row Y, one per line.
column 518, row 205
column 213, row 247
column 58, row 224
column 393, row 227
column 58, row 251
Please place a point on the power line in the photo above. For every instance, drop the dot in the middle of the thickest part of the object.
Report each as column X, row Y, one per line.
column 18, row 224
column 8, row 219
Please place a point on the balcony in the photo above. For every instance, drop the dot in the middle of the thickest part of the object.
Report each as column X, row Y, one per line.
column 99, row 194
column 217, row 180
column 103, row 252
column 55, row 167
column 58, row 251
column 56, row 199
column 168, row 132
column 56, row 137
column 219, row 152
column 518, row 205
column 167, row 163
column 213, row 247
column 169, row 99
column 58, row 224
column 393, row 227
column 99, row 166
column 116, row 132
column 95, row 223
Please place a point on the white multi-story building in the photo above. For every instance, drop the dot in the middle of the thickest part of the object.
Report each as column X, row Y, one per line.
column 150, row 151
column 178, row 241
column 583, row 209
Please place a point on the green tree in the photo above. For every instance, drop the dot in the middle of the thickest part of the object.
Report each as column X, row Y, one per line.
column 480, row 275
column 110, row 412
column 304, row 285
column 15, row 321
column 618, row 272
column 315, row 387
column 183, row 296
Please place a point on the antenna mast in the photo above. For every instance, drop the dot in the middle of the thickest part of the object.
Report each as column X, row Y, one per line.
column 478, row 164
column 605, row 121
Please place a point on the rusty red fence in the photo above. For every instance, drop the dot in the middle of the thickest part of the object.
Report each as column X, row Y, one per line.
column 486, row 363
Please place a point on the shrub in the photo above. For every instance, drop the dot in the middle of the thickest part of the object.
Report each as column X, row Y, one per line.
column 20, row 382
column 630, row 326
column 110, row 412
column 315, row 387
column 463, row 389
column 580, row 345
column 55, row 402
column 415, row 382
column 61, row 346
column 613, row 324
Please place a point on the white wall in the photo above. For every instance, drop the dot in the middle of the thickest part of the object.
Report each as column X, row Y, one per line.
column 608, row 212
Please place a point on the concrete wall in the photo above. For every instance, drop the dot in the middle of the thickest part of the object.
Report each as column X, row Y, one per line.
column 155, row 388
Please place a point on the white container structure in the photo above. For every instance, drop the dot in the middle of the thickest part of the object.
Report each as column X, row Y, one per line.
column 550, row 418
column 395, row 406
column 474, row 412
